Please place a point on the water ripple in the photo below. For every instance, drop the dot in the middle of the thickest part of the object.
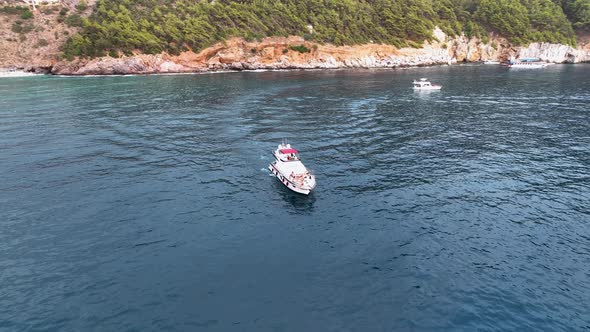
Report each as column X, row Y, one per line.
column 143, row 202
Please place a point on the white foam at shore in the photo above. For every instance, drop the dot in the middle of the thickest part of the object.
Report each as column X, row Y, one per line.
column 16, row 74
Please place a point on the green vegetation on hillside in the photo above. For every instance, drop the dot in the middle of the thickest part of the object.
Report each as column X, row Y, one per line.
column 153, row 26
column 578, row 11
column 526, row 20
column 24, row 12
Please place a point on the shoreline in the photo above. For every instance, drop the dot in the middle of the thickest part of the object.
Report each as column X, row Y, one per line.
column 32, row 72
column 23, row 73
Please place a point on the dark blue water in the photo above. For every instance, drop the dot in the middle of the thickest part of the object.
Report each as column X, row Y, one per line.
column 144, row 204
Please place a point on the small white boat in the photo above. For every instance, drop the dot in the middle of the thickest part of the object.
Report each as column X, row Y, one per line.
column 289, row 169
column 424, row 84
column 491, row 62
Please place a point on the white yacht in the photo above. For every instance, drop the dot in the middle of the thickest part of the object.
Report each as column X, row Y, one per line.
column 424, row 84
column 527, row 63
column 289, row 169
column 491, row 62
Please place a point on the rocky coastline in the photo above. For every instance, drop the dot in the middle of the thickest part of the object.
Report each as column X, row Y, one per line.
column 278, row 53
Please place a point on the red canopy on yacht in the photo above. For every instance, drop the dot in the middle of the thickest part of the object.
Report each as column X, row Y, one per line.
column 288, row 151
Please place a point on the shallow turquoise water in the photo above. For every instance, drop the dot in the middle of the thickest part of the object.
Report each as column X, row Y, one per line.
column 143, row 203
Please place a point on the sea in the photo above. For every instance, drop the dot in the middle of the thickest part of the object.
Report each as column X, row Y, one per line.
column 144, row 203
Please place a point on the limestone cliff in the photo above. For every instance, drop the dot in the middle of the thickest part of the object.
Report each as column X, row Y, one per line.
column 556, row 53
column 287, row 53
column 270, row 53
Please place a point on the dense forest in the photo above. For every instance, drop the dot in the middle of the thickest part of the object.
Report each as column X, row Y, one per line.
column 153, row 26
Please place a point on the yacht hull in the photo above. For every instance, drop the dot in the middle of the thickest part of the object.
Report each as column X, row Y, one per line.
column 535, row 66
column 287, row 182
column 434, row 87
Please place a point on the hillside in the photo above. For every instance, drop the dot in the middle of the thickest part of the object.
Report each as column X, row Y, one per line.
column 173, row 28
column 34, row 38
column 152, row 26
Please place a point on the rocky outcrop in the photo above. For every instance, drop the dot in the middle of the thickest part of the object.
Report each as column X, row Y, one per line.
column 139, row 64
column 270, row 53
column 465, row 49
column 556, row 53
